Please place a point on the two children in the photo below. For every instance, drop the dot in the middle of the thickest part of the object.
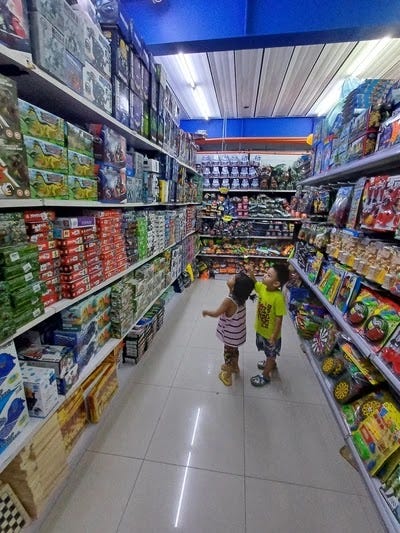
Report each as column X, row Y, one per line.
column 231, row 329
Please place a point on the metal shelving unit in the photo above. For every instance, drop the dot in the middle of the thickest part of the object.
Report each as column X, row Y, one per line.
column 265, row 220
column 246, row 237
column 266, row 191
column 243, row 256
column 387, row 160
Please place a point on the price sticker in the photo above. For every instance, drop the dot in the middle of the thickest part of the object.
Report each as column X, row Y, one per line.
column 227, row 218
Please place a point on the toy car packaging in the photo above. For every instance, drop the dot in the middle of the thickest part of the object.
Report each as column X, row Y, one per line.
column 381, row 324
column 362, row 308
column 378, row 436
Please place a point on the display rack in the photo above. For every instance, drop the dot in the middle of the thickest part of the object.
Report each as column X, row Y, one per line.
column 38, row 87
column 260, row 219
column 246, row 237
column 35, row 424
column 244, row 256
column 266, row 191
column 64, row 303
column 47, row 202
column 377, row 163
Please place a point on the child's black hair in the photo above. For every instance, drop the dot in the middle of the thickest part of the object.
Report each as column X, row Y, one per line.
column 243, row 287
column 282, row 273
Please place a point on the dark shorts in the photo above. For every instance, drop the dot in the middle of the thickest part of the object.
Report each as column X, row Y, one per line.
column 270, row 350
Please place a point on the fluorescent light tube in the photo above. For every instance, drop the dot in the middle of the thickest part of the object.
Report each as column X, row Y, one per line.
column 201, row 102
column 368, row 56
column 186, row 69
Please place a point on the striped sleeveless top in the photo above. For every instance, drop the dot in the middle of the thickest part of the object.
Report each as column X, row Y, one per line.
column 232, row 330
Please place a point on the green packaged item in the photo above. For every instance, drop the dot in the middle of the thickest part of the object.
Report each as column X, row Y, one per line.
column 19, row 282
column 30, row 264
column 29, row 296
column 12, row 229
column 27, row 316
column 80, row 165
column 12, row 255
column 46, row 156
column 35, row 122
column 79, row 140
column 45, row 184
column 7, row 329
column 82, row 188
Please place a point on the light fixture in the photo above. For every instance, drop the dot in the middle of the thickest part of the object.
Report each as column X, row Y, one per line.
column 201, row 102
column 329, row 99
column 368, row 56
column 186, row 69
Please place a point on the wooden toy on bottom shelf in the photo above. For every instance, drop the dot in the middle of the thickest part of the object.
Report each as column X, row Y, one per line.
column 13, row 517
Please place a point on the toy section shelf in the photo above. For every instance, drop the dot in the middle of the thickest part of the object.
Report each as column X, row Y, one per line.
column 65, row 303
column 35, row 424
column 260, row 219
column 266, row 191
column 47, row 202
column 371, row 483
column 243, row 256
column 376, row 163
column 246, row 237
column 43, row 90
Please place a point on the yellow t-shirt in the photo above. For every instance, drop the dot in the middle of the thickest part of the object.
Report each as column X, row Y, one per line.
column 271, row 304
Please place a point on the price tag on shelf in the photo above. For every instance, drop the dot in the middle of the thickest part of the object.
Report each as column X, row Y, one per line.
column 223, row 190
column 227, row 218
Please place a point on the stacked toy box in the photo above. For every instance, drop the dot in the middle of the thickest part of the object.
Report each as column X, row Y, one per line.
column 13, row 409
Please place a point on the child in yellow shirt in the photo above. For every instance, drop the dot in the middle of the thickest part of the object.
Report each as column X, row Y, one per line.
column 270, row 312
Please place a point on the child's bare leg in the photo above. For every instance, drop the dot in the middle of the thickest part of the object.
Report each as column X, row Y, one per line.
column 270, row 365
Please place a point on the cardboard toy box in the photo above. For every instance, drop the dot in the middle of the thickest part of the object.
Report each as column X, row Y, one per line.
column 51, row 9
column 119, row 54
column 45, row 156
column 45, row 184
column 74, row 32
column 79, row 140
column 47, row 45
column 10, row 128
column 78, row 316
column 109, row 146
column 121, row 101
column 14, row 29
column 14, row 179
column 38, row 123
column 136, row 74
column 97, row 88
column 97, row 48
column 112, row 183
column 13, row 415
column 59, row 358
column 73, row 73
column 135, row 112
column 40, row 387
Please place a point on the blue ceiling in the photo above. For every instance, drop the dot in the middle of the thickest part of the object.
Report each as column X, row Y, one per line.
column 171, row 26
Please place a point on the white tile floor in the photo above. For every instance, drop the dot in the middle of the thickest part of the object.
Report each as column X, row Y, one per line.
column 179, row 451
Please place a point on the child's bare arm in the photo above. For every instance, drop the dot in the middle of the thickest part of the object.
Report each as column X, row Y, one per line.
column 277, row 329
column 225, row 306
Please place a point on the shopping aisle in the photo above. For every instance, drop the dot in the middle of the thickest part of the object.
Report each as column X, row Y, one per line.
column 179, row 451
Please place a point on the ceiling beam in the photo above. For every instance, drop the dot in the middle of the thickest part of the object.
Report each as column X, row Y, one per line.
column 170, row 26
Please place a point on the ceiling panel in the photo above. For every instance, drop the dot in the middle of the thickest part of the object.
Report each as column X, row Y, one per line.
column 301, row 63
column 222, row 66
column 327, row 65
column 248, row 67
column 282, row 81
column 275, row 64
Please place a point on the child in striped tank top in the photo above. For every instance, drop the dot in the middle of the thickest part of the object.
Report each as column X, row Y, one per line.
column 231, row 328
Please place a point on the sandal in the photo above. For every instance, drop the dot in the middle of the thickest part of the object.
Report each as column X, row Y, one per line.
column 259, row 380
column 226, row 378
column 261, row 365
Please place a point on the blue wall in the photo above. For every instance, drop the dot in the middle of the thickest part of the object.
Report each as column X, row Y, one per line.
column 253, row 127
column 198, row 25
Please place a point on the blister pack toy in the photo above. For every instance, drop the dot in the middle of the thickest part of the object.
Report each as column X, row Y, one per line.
column 362, row 308
column 361, row 408
column 325, row 339
column 331, row 281
column 388, row 212
column 347, row 291
column 341, row 206
column 391, row 352
column 372, row 198
column 381, row 324
column 378, row 436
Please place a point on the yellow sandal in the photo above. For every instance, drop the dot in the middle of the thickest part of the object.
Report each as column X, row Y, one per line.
column 225, row 377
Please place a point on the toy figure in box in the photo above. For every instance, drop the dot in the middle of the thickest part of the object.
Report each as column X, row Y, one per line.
column 112, row 183
column 14, row 27
column 372, row 198
column 14, row 180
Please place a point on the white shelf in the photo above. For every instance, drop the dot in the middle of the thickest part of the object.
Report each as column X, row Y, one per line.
column 48, row 202
column 267, row 191
column 373, row 487
column 355, row 338
column 65, row 303
column 35, row 424
column 260, row 219
column 243, row 256
column 376, row 163
column 246, row 237
column 326, row 389
column 43, row 90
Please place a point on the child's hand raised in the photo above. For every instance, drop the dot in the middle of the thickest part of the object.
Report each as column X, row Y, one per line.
column 204, row 313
